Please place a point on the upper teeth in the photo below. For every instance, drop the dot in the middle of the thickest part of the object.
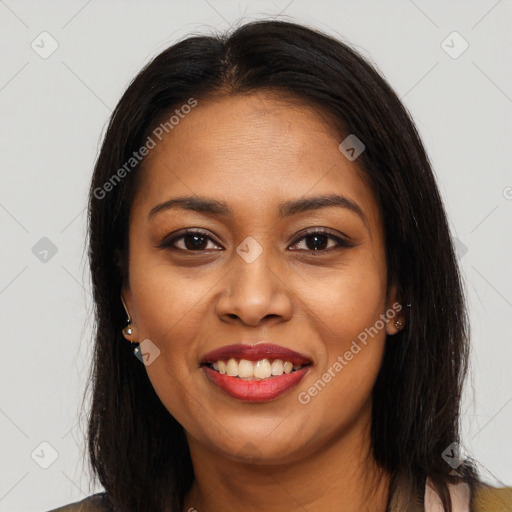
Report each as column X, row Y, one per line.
column 261, row 369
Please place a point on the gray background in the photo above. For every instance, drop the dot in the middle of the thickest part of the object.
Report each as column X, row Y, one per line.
column 53, row 114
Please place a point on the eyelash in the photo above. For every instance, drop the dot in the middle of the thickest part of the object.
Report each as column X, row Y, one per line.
column 341, row 242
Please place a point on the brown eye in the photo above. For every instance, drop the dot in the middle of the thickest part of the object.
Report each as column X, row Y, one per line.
column 191, row 240
column 319, row 240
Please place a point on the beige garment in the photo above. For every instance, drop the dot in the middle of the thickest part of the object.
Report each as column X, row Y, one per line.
column 459, row 493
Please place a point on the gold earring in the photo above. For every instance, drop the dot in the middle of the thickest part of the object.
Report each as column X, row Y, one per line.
column 128, row 330
column 398, row 324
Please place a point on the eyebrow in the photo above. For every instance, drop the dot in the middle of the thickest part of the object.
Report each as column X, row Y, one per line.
column 214, row 207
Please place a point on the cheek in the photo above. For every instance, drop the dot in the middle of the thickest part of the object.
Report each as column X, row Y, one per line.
column 347, row 315
column 169, row 313
column 344, row 303
column 167, row 302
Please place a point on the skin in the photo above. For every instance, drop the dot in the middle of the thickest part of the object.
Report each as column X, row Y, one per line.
column 254, row 152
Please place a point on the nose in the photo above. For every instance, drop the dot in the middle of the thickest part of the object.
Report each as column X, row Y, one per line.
column 254, row 292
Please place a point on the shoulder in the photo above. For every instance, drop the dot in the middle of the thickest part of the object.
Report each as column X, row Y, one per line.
column 492, row 499
column 94, row 503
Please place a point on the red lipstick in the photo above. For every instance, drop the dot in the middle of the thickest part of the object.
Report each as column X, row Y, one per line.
column 255, row 390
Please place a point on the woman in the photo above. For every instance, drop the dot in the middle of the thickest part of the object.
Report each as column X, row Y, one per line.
column 266, row 230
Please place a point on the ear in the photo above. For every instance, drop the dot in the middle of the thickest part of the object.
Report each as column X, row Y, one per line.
column 394, row 311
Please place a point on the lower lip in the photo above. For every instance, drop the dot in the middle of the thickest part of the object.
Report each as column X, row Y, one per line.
column 256, row 390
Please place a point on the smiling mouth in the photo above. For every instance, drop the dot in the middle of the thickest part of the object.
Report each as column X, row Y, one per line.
column 261, row 369
column 255, row 381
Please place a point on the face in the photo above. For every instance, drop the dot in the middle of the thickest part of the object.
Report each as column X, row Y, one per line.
column 255, row 271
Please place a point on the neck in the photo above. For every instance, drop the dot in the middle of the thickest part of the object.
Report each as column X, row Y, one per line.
column 339, row 476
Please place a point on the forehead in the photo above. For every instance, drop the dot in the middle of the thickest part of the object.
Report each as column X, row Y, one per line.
column 254, row 152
